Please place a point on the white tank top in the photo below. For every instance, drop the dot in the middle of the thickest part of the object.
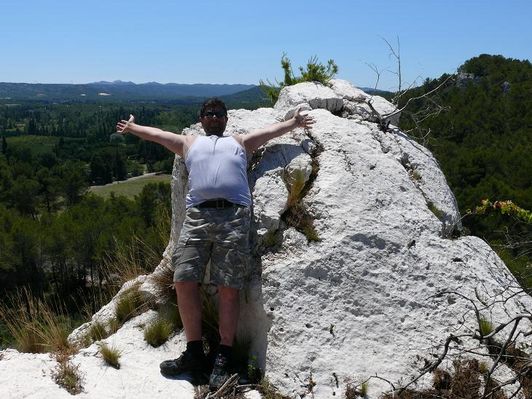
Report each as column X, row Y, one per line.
column 217, row 168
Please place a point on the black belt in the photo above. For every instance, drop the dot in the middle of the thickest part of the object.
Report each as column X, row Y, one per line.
column 218, row 203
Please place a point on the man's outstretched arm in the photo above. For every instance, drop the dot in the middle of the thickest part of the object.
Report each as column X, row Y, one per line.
column 256, row 138
column 174, row 142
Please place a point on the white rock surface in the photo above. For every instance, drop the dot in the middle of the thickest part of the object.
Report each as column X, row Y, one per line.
column 308, row 95
column 356, row 104
column 367, row 299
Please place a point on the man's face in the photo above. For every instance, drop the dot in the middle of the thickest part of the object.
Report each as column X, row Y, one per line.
column 214, row 121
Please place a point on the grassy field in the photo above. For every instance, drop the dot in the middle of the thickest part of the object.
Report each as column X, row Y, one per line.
column 129, row 188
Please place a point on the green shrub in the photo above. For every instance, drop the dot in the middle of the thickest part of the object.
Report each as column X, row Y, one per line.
column 315, row 71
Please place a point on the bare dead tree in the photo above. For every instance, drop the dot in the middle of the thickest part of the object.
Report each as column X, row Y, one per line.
column 396, row 53
column 377, row 72
column 431, row 109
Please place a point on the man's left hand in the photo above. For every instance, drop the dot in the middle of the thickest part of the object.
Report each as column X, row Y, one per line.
column 303, row 120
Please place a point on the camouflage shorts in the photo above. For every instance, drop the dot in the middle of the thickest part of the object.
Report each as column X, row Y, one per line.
column 218, row 235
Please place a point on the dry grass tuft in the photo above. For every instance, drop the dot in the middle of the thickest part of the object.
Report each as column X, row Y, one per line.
column 170, row 312
column 269, row 391
column 298, row 217
column 35, row 326
column 66, row 374
column 295, row 182
column 97, row 331
column 113, row 325
column 127, row 261
column 163, row 279
column 209, row 319
column 137, row 256
column 130, row 304
column 485, row 327
column 465, row 381
column 158, row 332
column 111, row 355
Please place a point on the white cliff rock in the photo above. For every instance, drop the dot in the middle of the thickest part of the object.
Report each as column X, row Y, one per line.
column 377, row 294
column 367, row 298
column 308, row 95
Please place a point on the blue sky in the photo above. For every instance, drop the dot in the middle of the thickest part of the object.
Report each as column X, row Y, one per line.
column 56, row 41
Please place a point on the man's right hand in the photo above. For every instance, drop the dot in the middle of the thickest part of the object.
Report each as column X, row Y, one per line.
column 122, row 126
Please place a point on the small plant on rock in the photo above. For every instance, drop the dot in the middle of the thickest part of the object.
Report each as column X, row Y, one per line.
column 129, row 304
column 158, row 332
column 67, row 375
column 356, row 391
column 485, row 327
column 111, row 355
column 269, row 391
column 97, row 331
column 435, row 210
column 163, row 280
column 298, row 217
column 113, row 325
column 270, row 239
column 296, row 183
column 170, row 313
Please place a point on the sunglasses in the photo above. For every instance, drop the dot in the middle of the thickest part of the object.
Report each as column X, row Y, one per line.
column 212, row 114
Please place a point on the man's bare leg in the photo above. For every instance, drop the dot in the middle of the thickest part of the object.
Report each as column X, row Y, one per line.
column 193, row 359
column 189, row 303
column 228, row 310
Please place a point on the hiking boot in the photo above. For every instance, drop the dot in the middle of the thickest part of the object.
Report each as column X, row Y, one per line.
column 220, row 372
column 186, row 363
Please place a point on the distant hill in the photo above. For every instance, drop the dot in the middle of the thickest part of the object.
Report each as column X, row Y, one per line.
column 115, row 91
column 377, row 92
column 249, row 99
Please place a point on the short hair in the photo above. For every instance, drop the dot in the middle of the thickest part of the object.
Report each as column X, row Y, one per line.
column 213, row 102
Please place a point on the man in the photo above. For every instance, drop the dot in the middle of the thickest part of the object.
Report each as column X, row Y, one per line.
column 216, row 227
